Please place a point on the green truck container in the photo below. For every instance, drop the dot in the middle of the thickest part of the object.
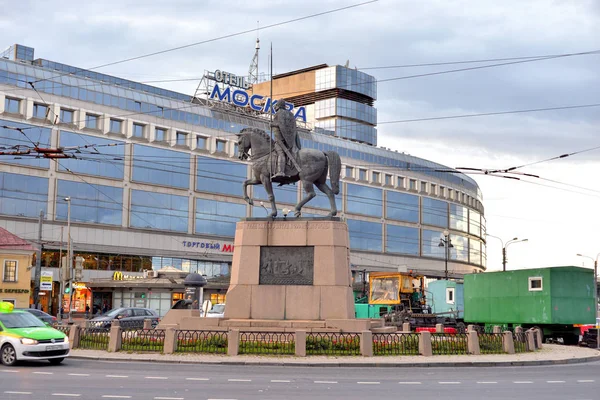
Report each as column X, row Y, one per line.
column 555, row 299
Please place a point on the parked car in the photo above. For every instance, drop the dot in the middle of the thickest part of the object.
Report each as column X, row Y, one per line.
column 217, row 311
column 128, row 317
column 45, row 317
column 25, row 337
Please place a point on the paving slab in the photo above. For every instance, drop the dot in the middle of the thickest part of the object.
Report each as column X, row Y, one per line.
column 550, row 354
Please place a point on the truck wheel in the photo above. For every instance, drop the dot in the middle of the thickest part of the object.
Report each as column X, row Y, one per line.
column 8, row 355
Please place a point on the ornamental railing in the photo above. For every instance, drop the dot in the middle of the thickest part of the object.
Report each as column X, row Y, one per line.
column 143, row 340
column 267, row 343
column 201, row 342
column 396, row 344
column 444, row 343
column 333, row 344
column 93, row 338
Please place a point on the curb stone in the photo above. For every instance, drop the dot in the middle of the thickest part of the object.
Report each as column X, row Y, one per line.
column 353, row 365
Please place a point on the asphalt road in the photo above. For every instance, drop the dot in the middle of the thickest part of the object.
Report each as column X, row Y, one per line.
column 123, row 380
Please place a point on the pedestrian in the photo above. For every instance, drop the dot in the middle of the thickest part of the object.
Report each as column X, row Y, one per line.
column 87, row 311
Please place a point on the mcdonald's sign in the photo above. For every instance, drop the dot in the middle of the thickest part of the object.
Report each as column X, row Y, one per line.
column 119, row 276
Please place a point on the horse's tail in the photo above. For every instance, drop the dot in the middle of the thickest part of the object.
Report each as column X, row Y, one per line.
column 335, row 168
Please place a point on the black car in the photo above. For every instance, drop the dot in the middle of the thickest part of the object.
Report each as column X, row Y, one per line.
column 128, row 317
column 45, row 317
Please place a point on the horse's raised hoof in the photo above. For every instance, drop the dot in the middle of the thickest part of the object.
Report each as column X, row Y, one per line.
column 273, row 214
column 333, row 214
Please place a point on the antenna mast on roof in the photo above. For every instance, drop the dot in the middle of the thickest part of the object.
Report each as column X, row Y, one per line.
column 253, row 70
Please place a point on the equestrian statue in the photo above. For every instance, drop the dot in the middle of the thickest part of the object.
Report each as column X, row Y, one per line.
column 284, row 161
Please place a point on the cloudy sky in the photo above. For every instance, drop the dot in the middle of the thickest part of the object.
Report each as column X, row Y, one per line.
column 558, row 213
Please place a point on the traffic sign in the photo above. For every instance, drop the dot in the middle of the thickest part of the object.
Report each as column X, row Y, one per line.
column 46, row 281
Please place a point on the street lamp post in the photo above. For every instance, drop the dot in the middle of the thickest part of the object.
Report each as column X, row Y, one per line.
column 513, row 240
column 446, row 243
column 595, row 294
column 69, row 258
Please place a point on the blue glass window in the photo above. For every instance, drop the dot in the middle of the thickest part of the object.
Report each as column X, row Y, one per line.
column 221, row 145
column 161, row 166
column 66, row 116
column 364, row 200
column 431, row 244
column 11, row 137
column 12, row 105
column 218, row 217
column 23, row 195
column 158, row 211
column 474, row 223
column 402, row 239
column 138, row 130
column 402, row 206
column 459, row 219
column 40, row 111
column 434, row 212
column 108, row 164
column 97, row 204
column 322, row 201
column 116, row 126
column 91, row 121
column 160, row 134
column 181, row 139
column 475, row 251
column 460, row 249
column 364, row 235
column 201, row 143
column 220, row 176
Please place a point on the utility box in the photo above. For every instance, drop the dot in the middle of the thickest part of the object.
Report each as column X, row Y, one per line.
column 446, row 297
column 544, row 296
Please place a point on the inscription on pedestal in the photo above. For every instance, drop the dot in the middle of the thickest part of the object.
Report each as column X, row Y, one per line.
column 286, row 265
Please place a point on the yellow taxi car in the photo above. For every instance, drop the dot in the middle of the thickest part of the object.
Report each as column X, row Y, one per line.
column 24, row 337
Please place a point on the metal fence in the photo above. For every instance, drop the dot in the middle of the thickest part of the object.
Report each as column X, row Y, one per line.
column 404, row 344
column 520, row 341
column 491, row 343
column 330, row 343
column 201, row 342
column 267, row 343
column 143, row 340
column 64, row 328
column 445, row 343
column 93, row 338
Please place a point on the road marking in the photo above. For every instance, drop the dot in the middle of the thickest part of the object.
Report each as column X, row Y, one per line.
column 9, row 392
column 325, row 382
column 522, row 382
column 486, row 382
column 239, row 380
column 279, row 381
column 555, row 381
column 155, row 377
column 368, row 383
column 449, row 383
column 117, row 376
column 409, row 383
column 168, row 398
column 78, row 374
column 110, row 396
column 66, row 394
column 8, row 370
column 44, row 373
column 585, row 381
column 197, row 379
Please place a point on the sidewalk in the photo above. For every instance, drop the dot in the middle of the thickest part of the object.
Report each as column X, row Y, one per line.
column 550, row 354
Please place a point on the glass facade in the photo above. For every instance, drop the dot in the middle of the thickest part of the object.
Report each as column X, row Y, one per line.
column 322, row 201
column 434, row 212
column 430, row 244
column 161, row 166
column 12, row 106
column 283, row 194
column 474, row 223
column 109, row 164
column 459, row 219
column 91, row 121
column 218, row 217
column 39, row 111
column 97, row 204
column 22, row 195
column 138, row 131
column 475, row 251
column 159, row 211
column 214, row 175
column 345, row 78
column 402, row 206
column 11, row 138
column 402, row 239
column 66, row 116
column 365, row 235
column 460, row 251
column 364, row 200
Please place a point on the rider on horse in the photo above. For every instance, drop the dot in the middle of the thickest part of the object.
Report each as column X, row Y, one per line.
column 287, row 142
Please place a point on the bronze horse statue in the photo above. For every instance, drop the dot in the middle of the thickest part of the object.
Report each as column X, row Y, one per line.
column 257, row 145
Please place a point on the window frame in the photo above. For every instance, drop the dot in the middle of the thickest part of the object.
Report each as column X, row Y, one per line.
column 110, row 126
column 4, row 271
column 8, row 100
column 133, row 130
column 217, row 143
column 96, row 117
column 534, row 279
column 450, row 295
column 67, row 110
column 35, row 107
column 165, row 132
